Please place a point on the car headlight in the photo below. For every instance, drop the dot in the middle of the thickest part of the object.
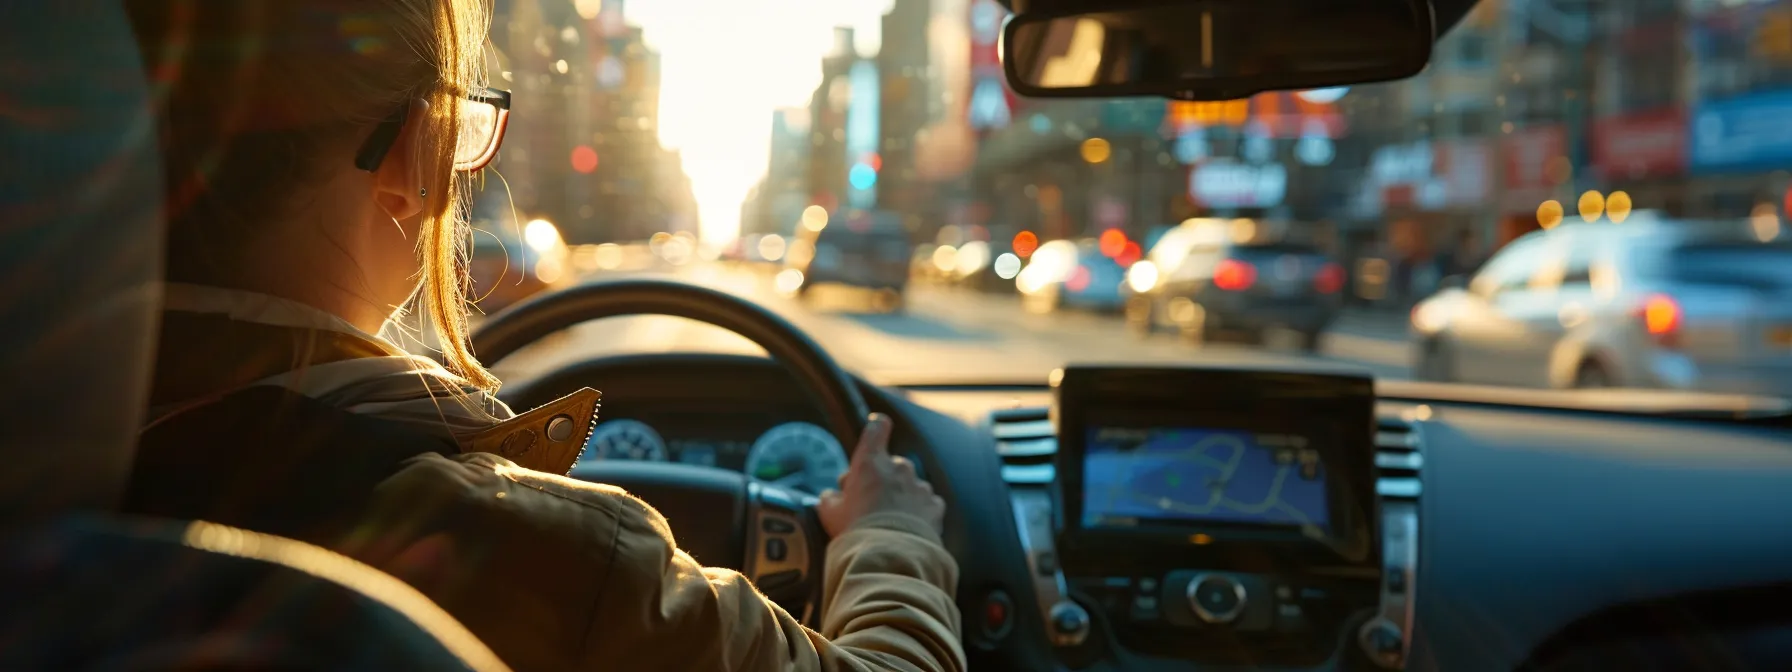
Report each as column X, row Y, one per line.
column 1429, row 317
column 1142, row 277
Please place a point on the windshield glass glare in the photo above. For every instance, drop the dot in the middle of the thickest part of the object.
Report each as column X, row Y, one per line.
column 1534, row 210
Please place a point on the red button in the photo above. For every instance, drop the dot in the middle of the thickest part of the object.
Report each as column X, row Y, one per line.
column 995, row 614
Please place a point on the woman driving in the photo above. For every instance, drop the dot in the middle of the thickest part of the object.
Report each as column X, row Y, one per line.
column 317, row 152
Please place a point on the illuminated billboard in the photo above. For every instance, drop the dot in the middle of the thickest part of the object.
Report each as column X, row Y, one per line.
column 862, row 163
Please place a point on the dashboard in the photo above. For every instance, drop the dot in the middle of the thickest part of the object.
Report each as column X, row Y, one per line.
column 1502, row 536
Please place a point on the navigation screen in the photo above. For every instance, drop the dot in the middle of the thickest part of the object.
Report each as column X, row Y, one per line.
column 1134, row 477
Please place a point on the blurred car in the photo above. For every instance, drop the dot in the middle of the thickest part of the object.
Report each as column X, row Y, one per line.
column 1071, row 274
column 921, row 265
column 508, row 265
column 1648, row 303
column 858, row 248
column 1207, row 278
column 987, row 266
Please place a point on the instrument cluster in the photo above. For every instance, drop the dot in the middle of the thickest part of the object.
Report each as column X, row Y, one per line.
column 796, row 454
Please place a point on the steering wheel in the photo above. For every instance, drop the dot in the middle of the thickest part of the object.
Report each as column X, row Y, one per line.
column 723, row 518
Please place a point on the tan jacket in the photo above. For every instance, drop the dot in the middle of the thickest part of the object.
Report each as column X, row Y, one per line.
column 558, row 574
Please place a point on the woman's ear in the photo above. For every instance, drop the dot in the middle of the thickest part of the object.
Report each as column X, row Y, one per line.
column 398, row 185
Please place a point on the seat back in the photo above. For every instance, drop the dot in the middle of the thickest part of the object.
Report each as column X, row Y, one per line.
column 80, row 253
column 80, row 249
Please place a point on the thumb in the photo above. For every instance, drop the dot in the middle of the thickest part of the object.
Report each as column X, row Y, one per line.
column 874, row 443
column 828, row 499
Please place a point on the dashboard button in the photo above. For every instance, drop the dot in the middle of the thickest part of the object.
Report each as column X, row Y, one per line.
column 1216, row 598
column 1395, row 576
column 1047, row 562
column 997, row 608
column 776, row 525
column 1291, row 618
column 1144, row 608
column 1147, row 584
column 1070, row 623
column 776, row 550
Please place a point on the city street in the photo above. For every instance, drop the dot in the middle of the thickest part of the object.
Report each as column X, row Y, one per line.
column 943, row 334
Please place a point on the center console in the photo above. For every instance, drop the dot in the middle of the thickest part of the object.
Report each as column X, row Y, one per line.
column 1208, row 515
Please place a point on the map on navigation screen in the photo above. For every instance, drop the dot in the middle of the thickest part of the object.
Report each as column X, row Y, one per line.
column 1134, row 477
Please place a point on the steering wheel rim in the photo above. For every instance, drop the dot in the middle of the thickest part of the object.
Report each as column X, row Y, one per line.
column 828, row 385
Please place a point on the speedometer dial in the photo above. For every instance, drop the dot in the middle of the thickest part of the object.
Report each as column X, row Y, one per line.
column 625, row 440
column 797, row 455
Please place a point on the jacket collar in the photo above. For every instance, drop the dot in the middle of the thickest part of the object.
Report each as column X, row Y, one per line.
column 253, row 307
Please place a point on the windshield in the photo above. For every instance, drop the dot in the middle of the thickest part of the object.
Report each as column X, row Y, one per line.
column 1370, row 226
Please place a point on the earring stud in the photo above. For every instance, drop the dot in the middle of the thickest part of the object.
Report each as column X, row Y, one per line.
column 423, row 193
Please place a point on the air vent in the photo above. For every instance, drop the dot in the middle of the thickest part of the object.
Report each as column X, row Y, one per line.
column 1026, row 443
column 1397, row 460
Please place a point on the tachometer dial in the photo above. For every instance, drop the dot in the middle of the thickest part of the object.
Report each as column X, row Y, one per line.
column 625, row 440
column 797, row 455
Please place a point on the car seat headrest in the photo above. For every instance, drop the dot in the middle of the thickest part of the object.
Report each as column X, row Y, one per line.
column 80, row 254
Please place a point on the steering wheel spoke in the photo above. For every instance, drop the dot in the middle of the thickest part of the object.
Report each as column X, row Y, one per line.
column 785, row 549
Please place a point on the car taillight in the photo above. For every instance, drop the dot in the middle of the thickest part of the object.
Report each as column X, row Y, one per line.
column 1233, row 275
column 1330, row 279
column 1661, row 317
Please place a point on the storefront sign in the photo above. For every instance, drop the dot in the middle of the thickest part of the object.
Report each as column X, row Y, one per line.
column 1427, row 176
column 1742, row 134
column 1465, row 169
column 1536, row 157
column 1226, row 183
column 1640, row 145
column 1401, row 164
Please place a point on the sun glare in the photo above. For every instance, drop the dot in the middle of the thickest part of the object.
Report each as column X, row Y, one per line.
column 725, row 66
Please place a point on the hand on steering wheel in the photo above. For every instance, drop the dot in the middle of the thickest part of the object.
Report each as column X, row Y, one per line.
column 877, row 482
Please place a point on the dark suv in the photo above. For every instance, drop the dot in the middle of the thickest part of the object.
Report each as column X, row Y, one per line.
column 858, row 248
column 1205, row 284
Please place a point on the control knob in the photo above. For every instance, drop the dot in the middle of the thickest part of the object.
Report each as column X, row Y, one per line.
column 1216, row 598
column 1069, row 623
column 1383, row 642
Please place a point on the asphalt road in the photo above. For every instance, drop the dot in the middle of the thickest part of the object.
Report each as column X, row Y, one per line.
column 943, row 334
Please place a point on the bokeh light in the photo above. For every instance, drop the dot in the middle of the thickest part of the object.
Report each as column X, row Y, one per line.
column 1142, row 277
column 1549, row 214
column 788, row 281
column 815, row 218
column 1765, row 222
column 1592, row 205
column 1007, row 266
column 945, row 258
column 584, row 159
column 862, row 176
column 1025, row 243
column 972, row 257
column 541, row 235
column 1096, row 150
column 1129, row 253
column 771, row 247
column 1113, row 242
column 1617, row 206
column 608, row 256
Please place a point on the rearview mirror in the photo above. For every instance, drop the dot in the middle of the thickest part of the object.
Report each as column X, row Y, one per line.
column 1215, row 49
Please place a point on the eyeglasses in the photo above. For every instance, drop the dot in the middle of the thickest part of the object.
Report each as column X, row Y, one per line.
column 483, row 119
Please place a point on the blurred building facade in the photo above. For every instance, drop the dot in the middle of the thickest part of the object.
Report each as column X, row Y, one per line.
column 1679, row 104
column 583, row 148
